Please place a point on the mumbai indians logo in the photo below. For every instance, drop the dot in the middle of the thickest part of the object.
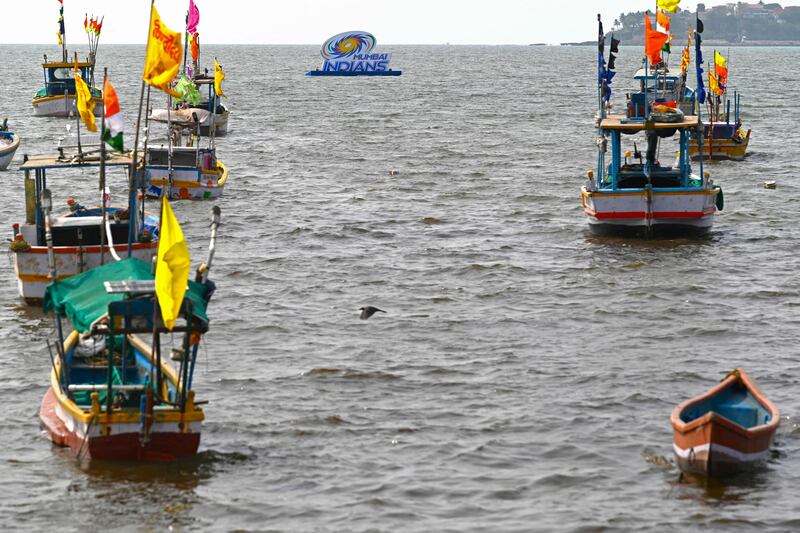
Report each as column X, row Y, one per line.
column 348, row 44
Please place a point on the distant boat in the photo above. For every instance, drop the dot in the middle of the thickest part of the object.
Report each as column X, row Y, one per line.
column 725, row 430
column 637, row 194
column 58, row 97
column 725, row 137
column 9, row 142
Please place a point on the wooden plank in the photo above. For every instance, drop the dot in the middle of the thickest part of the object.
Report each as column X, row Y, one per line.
column 615, row 122
column 113, row 159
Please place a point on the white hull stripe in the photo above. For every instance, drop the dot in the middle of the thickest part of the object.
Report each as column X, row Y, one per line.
column 724, row 450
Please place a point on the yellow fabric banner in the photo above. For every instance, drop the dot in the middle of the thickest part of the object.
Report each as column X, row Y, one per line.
column 218, row 77
column 84, row 103
column 164, row 54
column 172, row 266
column 668, row 5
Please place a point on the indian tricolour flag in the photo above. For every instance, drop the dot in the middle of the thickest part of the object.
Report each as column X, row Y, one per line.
column 112, row 133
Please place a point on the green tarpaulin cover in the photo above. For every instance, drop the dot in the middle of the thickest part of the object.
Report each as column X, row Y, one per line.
column 83, row 298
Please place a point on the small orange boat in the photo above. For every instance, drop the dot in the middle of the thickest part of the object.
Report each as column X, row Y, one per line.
column 725, row 430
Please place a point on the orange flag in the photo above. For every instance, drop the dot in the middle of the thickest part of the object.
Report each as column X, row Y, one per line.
column 653, row 41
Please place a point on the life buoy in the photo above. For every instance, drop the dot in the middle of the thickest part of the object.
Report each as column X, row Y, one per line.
column 739, row 136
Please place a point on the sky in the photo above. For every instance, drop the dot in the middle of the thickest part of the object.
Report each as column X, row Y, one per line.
column 519, row 22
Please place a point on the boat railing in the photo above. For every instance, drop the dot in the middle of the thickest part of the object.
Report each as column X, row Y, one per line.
column 91, row 387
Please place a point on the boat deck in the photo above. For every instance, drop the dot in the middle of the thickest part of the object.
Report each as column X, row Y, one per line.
column 622, row 123
column 88, row 159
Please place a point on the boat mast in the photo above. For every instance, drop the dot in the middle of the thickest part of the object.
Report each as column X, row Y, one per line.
column 698, row 63
column 132, row 181
column 61, row 28
column 103, row 180
column 601, row 141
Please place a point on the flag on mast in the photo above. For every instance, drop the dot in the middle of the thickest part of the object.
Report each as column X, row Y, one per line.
column 193, row 19
column 218, row 77
column 172, row 266
column 164, row 54
column 115, row 121
column 668, row 5
column 85, row 103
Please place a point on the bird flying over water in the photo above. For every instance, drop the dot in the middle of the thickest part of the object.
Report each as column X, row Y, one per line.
column 368, row 311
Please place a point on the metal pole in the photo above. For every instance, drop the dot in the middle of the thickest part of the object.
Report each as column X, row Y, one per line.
column 134, row 169
column 103, row 179
column 212, row 245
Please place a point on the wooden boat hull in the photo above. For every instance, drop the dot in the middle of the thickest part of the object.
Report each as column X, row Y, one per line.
column 638, row 212
column 123, row 443
column 220, row 126
column 721, row 148
column 93, row 434
column 8, row 147
column 32, row 271
column 61, row 106
column 187, row 183
column 715, row 445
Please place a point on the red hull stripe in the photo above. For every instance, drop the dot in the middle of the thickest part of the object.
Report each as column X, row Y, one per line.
column 89, row 249
column 627, row 215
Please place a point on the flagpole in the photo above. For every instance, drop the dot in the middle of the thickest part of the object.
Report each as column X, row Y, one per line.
column 63, row 29
column 132, row 178
column 185, row 42
column 103, row 179
column 78, row 115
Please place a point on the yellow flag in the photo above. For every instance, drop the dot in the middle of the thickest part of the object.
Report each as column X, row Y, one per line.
column 85, row 103
column 164, row 53
column 172, row 267
column 218, row 77
column 668, row 5
column 60, row 40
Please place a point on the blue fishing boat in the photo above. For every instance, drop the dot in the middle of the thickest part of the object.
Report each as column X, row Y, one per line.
column 58, row 97
column 114, row 394
column 640, row 194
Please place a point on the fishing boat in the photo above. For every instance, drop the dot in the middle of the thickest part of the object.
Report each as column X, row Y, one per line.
column 213, row 114
column 638, row 195
column 9, row 142
column 114, row 394
column 58, row 96
column 659, row 84
column 726, row 430
column 83, row 237
column 212, row 104
column 181, row 168
column 724, row 136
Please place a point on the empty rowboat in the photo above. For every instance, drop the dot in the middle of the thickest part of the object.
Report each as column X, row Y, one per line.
column 725, row 430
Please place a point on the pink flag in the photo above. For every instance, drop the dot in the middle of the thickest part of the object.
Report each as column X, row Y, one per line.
column 193, row 18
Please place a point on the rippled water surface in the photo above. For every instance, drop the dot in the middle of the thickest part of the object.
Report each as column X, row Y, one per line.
column 523, row 376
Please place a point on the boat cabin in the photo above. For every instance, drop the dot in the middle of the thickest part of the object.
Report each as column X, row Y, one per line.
column 59, row 78
column 75, row 225
column 634, row 169
column 182, row 156
column 111, row 306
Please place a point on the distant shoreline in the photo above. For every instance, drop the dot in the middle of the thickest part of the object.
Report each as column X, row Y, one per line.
column 707, row 42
